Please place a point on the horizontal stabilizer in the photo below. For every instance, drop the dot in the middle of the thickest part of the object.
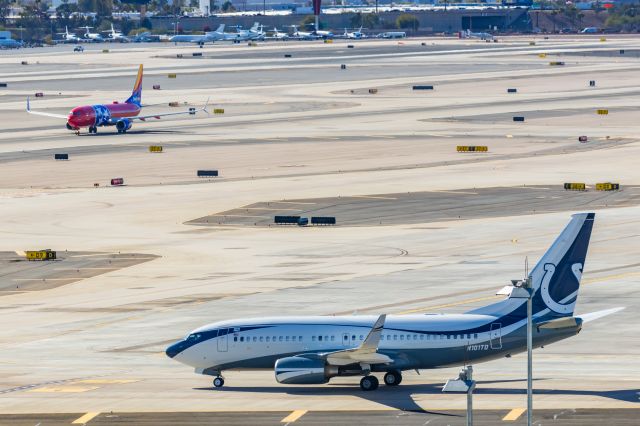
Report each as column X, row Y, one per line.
column 599, row 314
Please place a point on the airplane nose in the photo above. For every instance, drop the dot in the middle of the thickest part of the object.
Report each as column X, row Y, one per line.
column 176, row 348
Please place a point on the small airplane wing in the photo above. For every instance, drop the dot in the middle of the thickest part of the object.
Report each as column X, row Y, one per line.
column 599, row 314
column 46, row 114
column 166, row 114
column 366, row 353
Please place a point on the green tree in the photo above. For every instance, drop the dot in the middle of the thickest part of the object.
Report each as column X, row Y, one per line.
column 227, row 6
column 407, row 21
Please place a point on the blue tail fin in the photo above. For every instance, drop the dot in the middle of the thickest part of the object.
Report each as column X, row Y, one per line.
column 556, row 277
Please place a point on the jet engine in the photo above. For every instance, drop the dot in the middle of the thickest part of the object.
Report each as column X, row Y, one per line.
column 123, row 125
column 297, row 370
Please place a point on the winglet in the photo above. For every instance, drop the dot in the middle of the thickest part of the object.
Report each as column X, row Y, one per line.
column 370, row 344
column 204, row 108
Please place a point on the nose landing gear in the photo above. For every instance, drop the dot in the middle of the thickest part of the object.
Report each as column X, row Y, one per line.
column 218, row 382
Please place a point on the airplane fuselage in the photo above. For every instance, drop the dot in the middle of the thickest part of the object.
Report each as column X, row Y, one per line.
column 413, row 341
column 100, row 115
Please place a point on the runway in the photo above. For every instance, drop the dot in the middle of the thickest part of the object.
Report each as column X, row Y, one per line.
column 420, row 227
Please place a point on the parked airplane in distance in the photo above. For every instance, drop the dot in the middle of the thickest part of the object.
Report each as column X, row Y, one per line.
column 68, row 37
column 302, row 35
column 114, row 35
column 277, row 35
column 200, row 39
column 312, row 350
column 355, row 35
column 120, row 115
column 94, row 37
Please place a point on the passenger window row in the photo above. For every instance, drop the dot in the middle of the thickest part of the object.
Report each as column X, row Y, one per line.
column 332, row 338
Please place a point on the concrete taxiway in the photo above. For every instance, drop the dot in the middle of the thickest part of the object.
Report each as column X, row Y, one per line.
column 421, row 227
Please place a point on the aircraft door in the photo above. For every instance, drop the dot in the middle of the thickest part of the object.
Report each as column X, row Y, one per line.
column 223, row 341
column 345, row 339
column 496, row 335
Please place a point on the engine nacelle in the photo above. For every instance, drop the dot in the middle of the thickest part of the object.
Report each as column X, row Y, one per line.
column 297, row 370
column 123, row 125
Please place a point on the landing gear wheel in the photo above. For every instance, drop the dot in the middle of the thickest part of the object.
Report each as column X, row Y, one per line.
column 369, row 383
column 218, row 382
column 93, row 129
column 393, row 378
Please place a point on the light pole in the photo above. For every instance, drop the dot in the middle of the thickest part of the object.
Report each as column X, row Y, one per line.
column 464, row 383
column 524, row 290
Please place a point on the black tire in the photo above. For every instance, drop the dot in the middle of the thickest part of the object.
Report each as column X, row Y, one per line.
column 369, row 383
column 218, row 382
column 393, row 378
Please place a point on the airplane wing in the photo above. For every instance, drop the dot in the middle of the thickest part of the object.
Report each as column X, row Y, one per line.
column 46, row 114
column 166, row 114
column 366, row 353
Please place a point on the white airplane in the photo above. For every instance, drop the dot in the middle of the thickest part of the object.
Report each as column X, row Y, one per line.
column 312, row 350
column 277, row 35
column 68, row 37
column 94, row 37
column 114, row 35
column 481, row 35
column 354, row 35
column 321, row 33
column 200, row 39
column 302, row 35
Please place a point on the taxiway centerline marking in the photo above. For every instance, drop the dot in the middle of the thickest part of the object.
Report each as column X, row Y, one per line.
column 85, row 418
column 514, row 414
column 295, row 415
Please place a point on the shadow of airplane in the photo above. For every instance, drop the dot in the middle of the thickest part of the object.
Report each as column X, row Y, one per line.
column 401, row 397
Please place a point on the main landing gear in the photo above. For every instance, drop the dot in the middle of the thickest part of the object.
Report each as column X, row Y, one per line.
column 93, row 129
column 218, row 382
column 393, row 378
column 370, row 383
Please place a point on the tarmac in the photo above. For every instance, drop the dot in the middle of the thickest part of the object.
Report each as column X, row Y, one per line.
column 421, row 227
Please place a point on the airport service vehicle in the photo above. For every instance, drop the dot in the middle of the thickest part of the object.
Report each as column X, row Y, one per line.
column 590, row 30
column 393, row 34
column 78, row 48
column 120, row 115
column 200, row 39
column 313, row 349
column 9, row 43
column 93, row 37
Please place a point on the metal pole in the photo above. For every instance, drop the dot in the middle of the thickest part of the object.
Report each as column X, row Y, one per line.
column 470, row 398
column 529, row 354
column 317, row 23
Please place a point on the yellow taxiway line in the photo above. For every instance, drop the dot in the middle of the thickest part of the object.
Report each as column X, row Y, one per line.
column 86, row 418
column 514, row 414
column 295, row 415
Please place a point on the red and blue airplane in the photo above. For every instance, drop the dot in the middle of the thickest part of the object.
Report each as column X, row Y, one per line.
column 121, row 115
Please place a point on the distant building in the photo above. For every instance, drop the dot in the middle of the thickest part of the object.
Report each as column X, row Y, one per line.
column 56, row 3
